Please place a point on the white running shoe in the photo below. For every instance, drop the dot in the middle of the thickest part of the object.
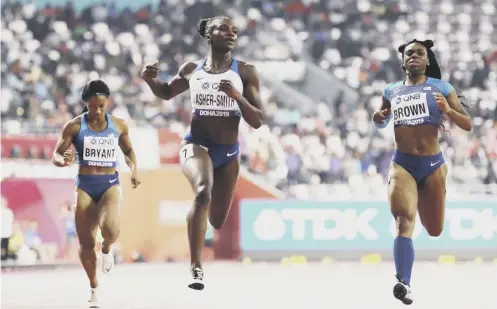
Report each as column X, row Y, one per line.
column 93, row 302
column 107, row 261
column 402, row 292
column 197, row 279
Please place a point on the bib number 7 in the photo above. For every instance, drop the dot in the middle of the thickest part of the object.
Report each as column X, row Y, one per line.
column 185, row 153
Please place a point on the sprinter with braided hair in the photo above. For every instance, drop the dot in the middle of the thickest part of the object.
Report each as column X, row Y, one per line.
column 223, row 90
column 416, row 182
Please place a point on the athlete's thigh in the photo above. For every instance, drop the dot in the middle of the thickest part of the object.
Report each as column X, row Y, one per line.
column 402, row 192
column 223, row 190
column 431, row 201
column 197, row 167
column 109, row 205
column 86, row 218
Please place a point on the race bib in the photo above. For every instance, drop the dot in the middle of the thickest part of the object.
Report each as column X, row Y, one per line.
column 410, row 107
column 102, row 149
column 185, row 153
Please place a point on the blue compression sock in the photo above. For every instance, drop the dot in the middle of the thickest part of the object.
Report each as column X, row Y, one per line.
column 403, row 253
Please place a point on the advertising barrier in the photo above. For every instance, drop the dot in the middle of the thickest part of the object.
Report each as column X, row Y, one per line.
column 39, row 200
column 23, row 144
column 169, row 144
column 145, row 143
column 348, row 229
column 154, row 215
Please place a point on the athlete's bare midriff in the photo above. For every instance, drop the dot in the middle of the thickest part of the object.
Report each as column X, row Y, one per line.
column 216, row 129
column 419, row 140
column 95, row 170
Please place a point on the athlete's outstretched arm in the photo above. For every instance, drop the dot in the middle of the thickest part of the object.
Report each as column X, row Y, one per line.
column 454, row 109
column 60, row 157
column 165, row 90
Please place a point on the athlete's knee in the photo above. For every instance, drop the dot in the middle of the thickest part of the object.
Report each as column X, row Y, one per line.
column 87, row 248
column 110, row 233
column 217, row 222
column 202, row 196
column 434, row 230
column 405, row 222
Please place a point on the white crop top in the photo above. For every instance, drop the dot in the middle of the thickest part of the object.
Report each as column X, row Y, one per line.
column 206, row 99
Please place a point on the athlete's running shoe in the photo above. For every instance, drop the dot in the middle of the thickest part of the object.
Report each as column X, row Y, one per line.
column 93, row 302
column 197, row 279
column 107, row 261
column 402, row 292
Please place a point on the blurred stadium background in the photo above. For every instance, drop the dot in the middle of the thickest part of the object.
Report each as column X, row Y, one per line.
column 323, row 66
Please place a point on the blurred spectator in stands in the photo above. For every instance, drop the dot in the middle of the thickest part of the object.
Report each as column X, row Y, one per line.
column 71, row 245
column 45, row 252
column 7, row 225
column 49, row 54
column 16, row 242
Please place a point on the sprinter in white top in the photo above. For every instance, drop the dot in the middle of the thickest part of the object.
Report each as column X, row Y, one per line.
column 223, row 89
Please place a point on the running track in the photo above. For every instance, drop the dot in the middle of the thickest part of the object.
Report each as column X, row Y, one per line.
column 339, row 285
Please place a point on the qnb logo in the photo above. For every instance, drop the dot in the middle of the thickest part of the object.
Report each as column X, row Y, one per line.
column 411, row 97
column 207, row 85
column 315, row 224
column 102, row 141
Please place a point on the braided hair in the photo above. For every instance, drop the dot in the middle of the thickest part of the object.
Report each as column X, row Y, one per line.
column 206, row 25
column 432, row 70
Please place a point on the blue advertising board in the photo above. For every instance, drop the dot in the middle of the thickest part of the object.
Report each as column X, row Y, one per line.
column 299, row 225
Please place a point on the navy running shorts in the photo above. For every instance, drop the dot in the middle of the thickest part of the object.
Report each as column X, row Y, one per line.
column 220, row 154
column 96, row 185
column 419, row 167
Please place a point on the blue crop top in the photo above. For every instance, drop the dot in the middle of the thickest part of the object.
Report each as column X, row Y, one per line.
column 415, row 105
column 97, row 148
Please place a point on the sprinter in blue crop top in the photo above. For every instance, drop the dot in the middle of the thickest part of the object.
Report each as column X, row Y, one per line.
column 97, row 137
column 418, row 107
column 222, row 91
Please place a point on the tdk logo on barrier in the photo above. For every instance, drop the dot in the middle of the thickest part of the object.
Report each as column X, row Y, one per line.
column 461, row 224
column 469, row 224
column 272, row 224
